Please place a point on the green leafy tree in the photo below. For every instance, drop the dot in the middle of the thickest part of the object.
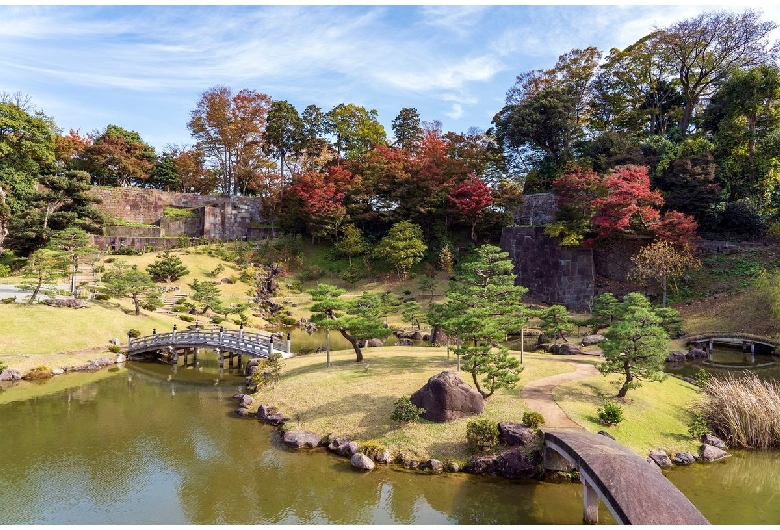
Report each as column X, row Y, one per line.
column 43, row 267
column 407, row 129
column 76, row 243
column 352, row 242
column 403, row 247
column 413, row 313
column 357, row 320
column 127, row 281
column 636, row 345
column 167, row 268
column 483, row 306
column 283, row 133
column 427, row 284
column 356, row 130
column 606, row 309
column 207, row 295
column 556, row 322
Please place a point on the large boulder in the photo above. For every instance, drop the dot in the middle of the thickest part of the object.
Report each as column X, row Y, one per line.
column 569, row 349
column 10, row 374
column 384, row 457
column 590, row 340
column 514, row 434
column 709, row 453
column 696, row 353
column 374, row 343
column 481, row 465
column 361, row 461
column 518, row 462
column 270, row 416
column 300, row 439
column 684, row 459
column 660, row 458
column 714, row 441
column 446, row 397
column 244, row 400
column 343, row 446
column 675, row 357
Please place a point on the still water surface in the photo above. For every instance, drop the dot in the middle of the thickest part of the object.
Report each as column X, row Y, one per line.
column 137, row 448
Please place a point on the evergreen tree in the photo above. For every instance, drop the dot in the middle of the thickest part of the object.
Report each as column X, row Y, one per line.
column 167, row 268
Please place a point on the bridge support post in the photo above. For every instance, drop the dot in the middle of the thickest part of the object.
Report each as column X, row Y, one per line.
column 220, row 357
column 230, row 360
column 554, row 461
column 240, row 362
column 195, row 352
column 590, row 504
column 709, row 351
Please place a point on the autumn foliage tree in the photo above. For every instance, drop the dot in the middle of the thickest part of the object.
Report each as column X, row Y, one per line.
column 229, row 129
column 663, row 262
column 469, row 199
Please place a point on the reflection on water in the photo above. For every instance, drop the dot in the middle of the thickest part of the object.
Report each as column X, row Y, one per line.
column 140, row 448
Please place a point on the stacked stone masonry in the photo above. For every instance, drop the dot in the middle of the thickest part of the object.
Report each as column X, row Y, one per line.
column 215, row 217
column 552, row 274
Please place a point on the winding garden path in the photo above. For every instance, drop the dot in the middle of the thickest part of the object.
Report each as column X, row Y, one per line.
column 538, row 395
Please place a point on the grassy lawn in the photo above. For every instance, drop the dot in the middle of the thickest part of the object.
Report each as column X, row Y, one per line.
column 356, row 400
column 655, row 415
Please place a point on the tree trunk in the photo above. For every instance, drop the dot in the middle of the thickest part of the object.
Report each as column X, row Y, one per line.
column 137, row 303
column 629, row 379
column 355, row 344
column 34, row 294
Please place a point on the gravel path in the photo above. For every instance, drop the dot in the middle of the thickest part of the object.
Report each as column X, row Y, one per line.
column 539, row 398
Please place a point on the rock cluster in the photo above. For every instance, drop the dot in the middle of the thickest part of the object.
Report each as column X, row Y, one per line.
column 712, row 448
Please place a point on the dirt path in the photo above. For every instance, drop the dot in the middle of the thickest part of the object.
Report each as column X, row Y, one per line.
column 539, row 398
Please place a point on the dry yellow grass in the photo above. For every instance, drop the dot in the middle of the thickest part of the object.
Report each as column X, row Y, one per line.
column 356, row 399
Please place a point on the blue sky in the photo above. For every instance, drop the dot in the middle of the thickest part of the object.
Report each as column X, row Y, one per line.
column 143, row 67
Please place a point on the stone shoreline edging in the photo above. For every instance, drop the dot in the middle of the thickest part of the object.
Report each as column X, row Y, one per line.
column 520, row 457
column 92, row 365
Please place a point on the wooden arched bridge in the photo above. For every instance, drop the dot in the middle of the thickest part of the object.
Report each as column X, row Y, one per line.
column 749, row 343
column 230, row 342
column 634, row 490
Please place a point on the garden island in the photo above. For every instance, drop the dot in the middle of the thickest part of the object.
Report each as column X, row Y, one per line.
column 598, row 267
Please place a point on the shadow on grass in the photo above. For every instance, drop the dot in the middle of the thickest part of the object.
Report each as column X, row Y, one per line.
column 385, row 364
column 586, row 392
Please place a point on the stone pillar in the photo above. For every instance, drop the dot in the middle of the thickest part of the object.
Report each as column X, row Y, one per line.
column 287, row 346
column 554, row 461
column 590, row 504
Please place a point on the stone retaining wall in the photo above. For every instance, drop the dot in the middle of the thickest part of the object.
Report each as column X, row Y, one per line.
column 552, row 274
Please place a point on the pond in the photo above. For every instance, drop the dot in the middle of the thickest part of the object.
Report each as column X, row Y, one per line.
column 152, row 445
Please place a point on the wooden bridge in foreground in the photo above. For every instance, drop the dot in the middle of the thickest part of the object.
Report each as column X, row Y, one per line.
column 233, row 343
column 634, row 490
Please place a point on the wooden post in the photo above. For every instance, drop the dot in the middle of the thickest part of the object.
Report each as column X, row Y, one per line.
column 287, row 346
column 590, row 504
column 710, row 355
column 230, row 361
column 240, row 362
column 522, row 343
column 195, row 352
column 327, row 347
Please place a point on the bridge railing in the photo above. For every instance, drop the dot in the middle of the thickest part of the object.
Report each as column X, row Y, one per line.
column 239, row 341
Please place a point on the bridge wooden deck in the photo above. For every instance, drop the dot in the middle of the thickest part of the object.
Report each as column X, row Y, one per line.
column 233, row 341
column 634, row 490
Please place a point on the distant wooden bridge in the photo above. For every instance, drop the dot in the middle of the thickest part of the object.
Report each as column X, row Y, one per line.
column 748, row 342
column 233, row 343
column 634, row 490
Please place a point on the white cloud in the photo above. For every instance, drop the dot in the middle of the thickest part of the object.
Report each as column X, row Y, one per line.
column 456, row 111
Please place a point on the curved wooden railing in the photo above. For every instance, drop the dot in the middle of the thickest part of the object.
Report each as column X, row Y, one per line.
column 634, row 490
column 730, row 336
column 240, row 342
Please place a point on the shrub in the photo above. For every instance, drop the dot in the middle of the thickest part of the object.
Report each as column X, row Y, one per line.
column 38, row 373
column 351, row 275
column 216, row 319
column 698, row 425
column 134, row 333
column 611, row 413
column 5, row 270
column 115, row 349
column 701, row 378
column 268, row 371
column 101, row 296
column 125, row 251
column 187, row 318
column 371, row 448
column 312, row 272
column 9, row 300
column 533, row 420
column 406, row 411
column 481, row 436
